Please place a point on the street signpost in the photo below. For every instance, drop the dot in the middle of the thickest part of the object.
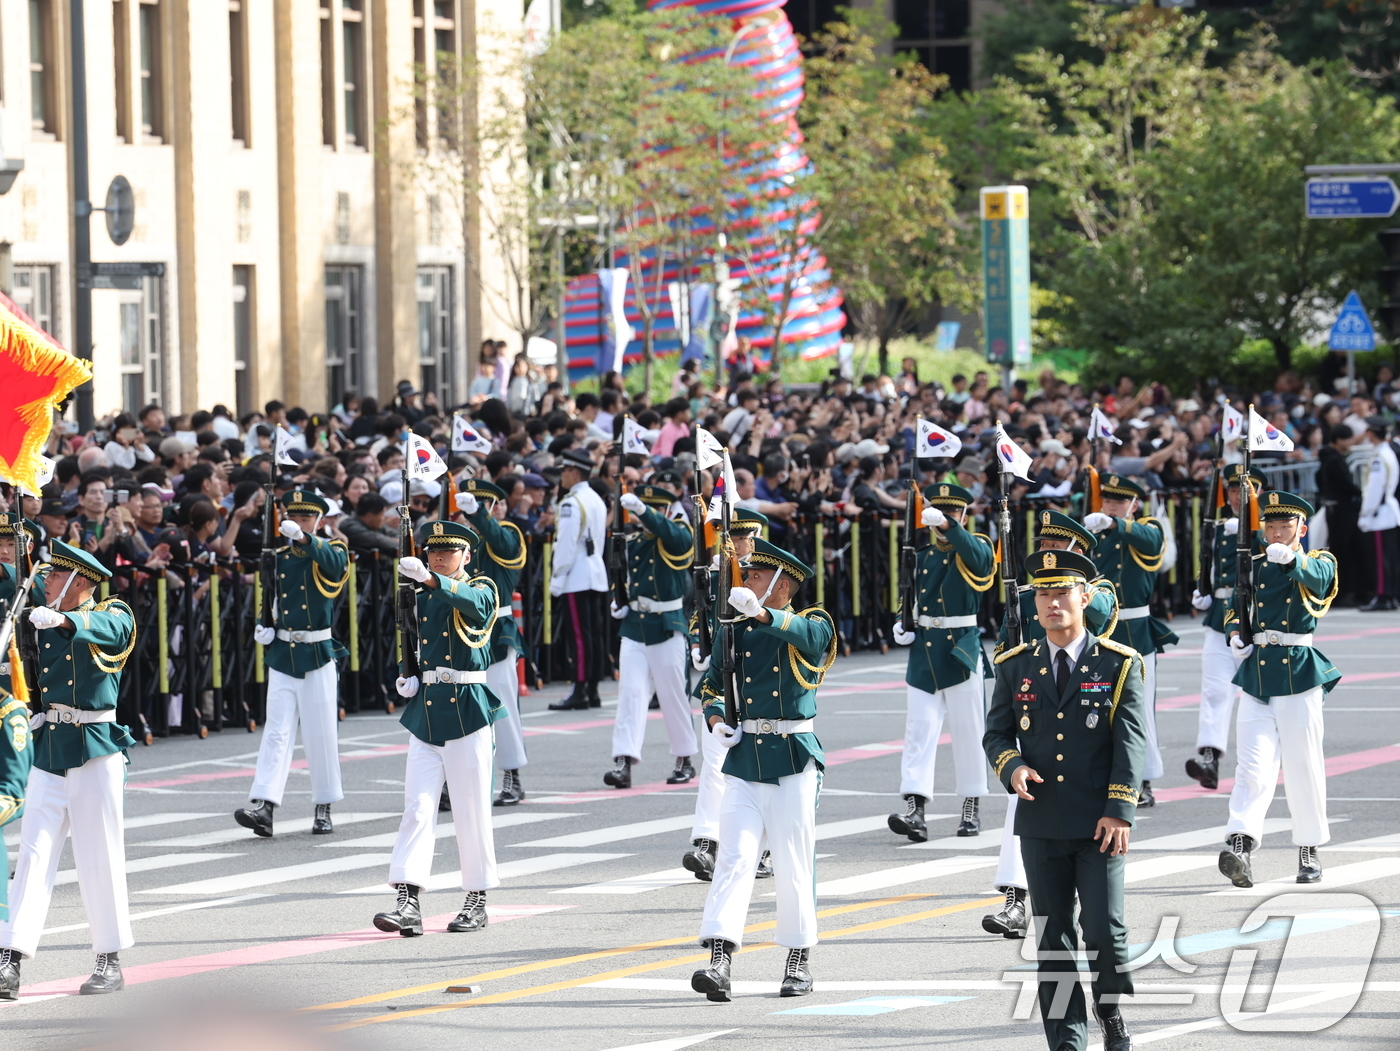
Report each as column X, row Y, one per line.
column 1006, row 277
column 1352, row 197
column 1352, row 332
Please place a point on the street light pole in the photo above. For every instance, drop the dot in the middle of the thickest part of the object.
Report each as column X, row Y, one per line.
column 82, row 214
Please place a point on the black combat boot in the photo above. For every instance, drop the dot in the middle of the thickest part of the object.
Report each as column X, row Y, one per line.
column 511, row 792
column 1010, row 922
column 444, row 801
column 620, row 776
column 577, row 700
column 700, row 859
column 106, row 976
column 322, row 825
column 9, row 974
column 594, row 701
column 1309, row 865
column 1206, row 770
column 258, row 817
column 1115, row 1031
column 797, row 980
column 1145, row 797
column 1234, row 860
column 971, row 823
column 473, row 915
column 684, row 773
column 911, row 822
column 406, row 917
column 765, row 866
column 713, row 980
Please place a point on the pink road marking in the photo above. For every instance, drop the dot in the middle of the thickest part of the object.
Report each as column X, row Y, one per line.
column 248, row 771
column 873, row 687
column 1336, row 765
column 1185, row 700
column 271, row 952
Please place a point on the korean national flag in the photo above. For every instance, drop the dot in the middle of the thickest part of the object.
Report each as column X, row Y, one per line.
column 932, row 440
column 423, row 460
column 466, row 438
column 1263, row 435
column 708, row 451
column 1011, row 456
column 1232, row 425
column 632, row 440
column 283, row 440
column 1099, row 427
column 726, row 492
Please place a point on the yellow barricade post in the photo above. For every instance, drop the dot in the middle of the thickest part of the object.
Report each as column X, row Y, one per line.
column 216, row 657
column 855, row 567
column 354, row 618
column 162, row 637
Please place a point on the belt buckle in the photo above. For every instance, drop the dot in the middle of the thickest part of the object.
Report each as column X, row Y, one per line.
column 765, row 726
column 67, row 717
column 1273, row 637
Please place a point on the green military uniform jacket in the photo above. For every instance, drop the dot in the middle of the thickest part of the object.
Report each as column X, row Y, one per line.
column 80, row 665
column 8, row 585
column 1130, row 556
column 778, row 668
column 1289, row 599
column 1222, row 577
column 1089, row 771
column 500, row 556
column 16, row 757
column 950, row 576
column 657, row 560
column 1100, row 618
column 455, row 621
column 310, row 576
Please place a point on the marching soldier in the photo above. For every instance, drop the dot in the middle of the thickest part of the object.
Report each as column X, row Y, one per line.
column 1129, row 554
column 500, row 555
column 79, row 772
column 945, row 670
column 652, row 653
column 580, row 581
column 1065, row 733
column 1054, row 532
column 1284, row 679
column 449, row 716
column 301, row 669
column 1218, row 663
column 772, row 770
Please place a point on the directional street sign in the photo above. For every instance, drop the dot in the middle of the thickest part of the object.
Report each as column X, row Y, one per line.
column 1361, row 197
column 1352, row 330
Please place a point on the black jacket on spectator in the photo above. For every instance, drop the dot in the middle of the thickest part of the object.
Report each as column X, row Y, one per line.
column 1339, row 494
column 364, row 540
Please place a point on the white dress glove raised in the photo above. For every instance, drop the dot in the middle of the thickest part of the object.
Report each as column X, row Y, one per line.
column 699, row 663
column 934, row 518
column 43, row 617
column 290, row 529
column 263, row 635
column 467, row 503
column 745, row 601
column 1232, row 526
column 1097, row 522
column 413, row 569
column 632, row 502
column 618, row 613
column 902, row 637
column 1201, row 602
column 407, row 687
column 727, row 735
column 1279, row 553
column 1240, row 648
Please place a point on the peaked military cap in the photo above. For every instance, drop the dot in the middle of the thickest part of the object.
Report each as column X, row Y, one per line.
column 946, row 494
column 482, row 489
column 304, row 502
column 449, row 536
column 9, row 522
column 76, row 560
column 1059, row 569
column 1276, row 504
column 1063, row 527
column 744, row 522
column 770, row 555
column 1235, row 471
column 1116, row 485
column 576, row 458
column 654, row 496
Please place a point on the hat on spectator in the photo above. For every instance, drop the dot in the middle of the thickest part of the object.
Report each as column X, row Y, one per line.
column 482, row 489
column 969, row 465
column 304, row 502
column 1059, row 569
column 534, row 481
column 333, row 508
column 1379, row 424
column 576, row 458
column 747, row 523
column 173, row 447
column 75, row 560
column 667, row 477
column 870, row 447
column 945, row 494
column 1276, row 504
column 53, row 507
column 1063, row 527
column 845, row 452
column 1115, row 485
column 1054, row 445
column 770, row 555
column 449, row 536
column 406, row 389
column 1319, row 400
column 1235, row 471
column 1190, row 405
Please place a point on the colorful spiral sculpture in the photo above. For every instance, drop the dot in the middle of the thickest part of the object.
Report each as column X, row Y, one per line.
column 765, row 44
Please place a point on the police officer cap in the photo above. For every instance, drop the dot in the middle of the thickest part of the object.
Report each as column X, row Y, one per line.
column 1059, row 569
column 449, row 536
column 304, row 502
column 946, row 494
column 1235, row 471
column 1063, row 527
column 1275, row 504
column 576, row 458
column 9, row 521
column 747, row 523
column 1121, row 488
column 654, row 496
column 482, row 489
column 769, row 555
column 75, row 560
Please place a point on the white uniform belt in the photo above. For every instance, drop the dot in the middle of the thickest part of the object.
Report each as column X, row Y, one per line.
column 319, row 635
column 655, row 605
column 1223, row 592
column 778, row 726
column 62, row 713
column 1134, row 612
column 456, row 678
column 505, row 611
column 1281, row 638
column 969, row 621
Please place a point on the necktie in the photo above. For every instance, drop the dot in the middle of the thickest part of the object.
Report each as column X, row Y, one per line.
column 1062, row 671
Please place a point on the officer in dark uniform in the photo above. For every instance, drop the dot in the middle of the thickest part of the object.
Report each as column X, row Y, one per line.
column 1065, row 732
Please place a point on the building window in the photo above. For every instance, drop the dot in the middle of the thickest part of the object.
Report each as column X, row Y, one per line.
column 937, row 32
column 809, row 17
column 152, row 81
column 238, row 72
column 142, row 346
column 43, row 107
column 243, row 338
column 437, row 81
column 352, row 60
column 344, row 331
column 33, row 293
column 327, row 78
column 121, row 65
column 437, row 360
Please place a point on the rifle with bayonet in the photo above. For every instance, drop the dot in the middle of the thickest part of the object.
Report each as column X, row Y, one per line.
column 908, row 556
column 267, row 564
column 617, row 541
column 406, row 595
column 1244, row 548
column 1010, row 564
column 731, row 576
column 700, row 570
column 1210, row 519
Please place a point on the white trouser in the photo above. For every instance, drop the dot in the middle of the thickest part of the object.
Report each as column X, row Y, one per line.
column 1285, row 732
column 89, row 802
column 465, row 763
column 710, row 799
column 1218, row 693
column 313, row 703
column 642, row 671
column 787, row 812
column 503, row 680
column 963, row 706
column 1152, row 767
column 1011, row 870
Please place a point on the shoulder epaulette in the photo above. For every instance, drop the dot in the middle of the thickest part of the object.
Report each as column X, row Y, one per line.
column 1008, row 654
column 1118, row 647
column 109, row 603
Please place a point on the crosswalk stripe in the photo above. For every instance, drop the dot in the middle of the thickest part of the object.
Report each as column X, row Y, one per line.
column 634, row 884
column 506, row 870
column 445, row 828
column 895, row 877
column 833, row 829
column 1203, row 837
column 1390, row 842
column 989, row 837
column 280, row 827
column 1137, row 871
column 160, row 861
column 143, row 821
column 614, row 833
column 1332, row 878
column 189, row 906
column 268, row 877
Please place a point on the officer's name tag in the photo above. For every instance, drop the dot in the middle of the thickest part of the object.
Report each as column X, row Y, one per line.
column 1027, row 698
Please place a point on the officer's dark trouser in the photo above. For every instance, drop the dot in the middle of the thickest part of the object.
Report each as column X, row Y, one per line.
column 1055, row 870
column 583, row 632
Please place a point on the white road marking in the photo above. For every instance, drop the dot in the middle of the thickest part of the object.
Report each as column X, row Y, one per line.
column 507, row 870
column 833, row 829
column 1137, row 871
column 268, row 877
column 674, row 1043
column 279, row 827
column 144, row 821
column 634, row 884
column 1332, row 879
column 160, row 861
column 882, row 878
column 445, row 829
column 614, row 833
column 190, row 906
column 990, row 837
column 1214, row 836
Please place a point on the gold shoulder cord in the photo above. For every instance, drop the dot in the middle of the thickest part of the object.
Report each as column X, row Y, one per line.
column 676, row 562
column 1315, row 605
column 795, row 658
column 509, row 563
column 975, row 582
column 475, row 638
column 1108, row 588
column 111, row 663
column 1118, row 686
column 1150, row 563
column 327, row 587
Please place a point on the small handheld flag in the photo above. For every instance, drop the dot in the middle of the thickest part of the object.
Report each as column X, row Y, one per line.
column 1011, row 456
column 1231, row 425
column 1264, row 435
column 708, row 451
column 932, row 440
column 632, row 440
column 466, row 438
column 1099, row 427
column 423, row 460
column 283, row 447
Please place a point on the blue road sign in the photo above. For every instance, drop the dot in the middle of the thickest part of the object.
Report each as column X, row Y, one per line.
column 1352, row 330
column 1364, row 197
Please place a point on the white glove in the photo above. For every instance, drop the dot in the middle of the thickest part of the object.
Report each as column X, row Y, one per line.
column 698, row 662
column 1240, row 648
column 413, row 569
column 290, row 529
column 632, row 502
column 408, row 687
column 556, row 587
column 43, row 617
column 467, row 503
column 934, row 518
column 745, row 601
column 263, row 635
column 619, row 613
column 726, row 734
column 1280, row 553
column 1202, row 602
column 1232, row 526
column 902, row 637
column 1097, row 522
